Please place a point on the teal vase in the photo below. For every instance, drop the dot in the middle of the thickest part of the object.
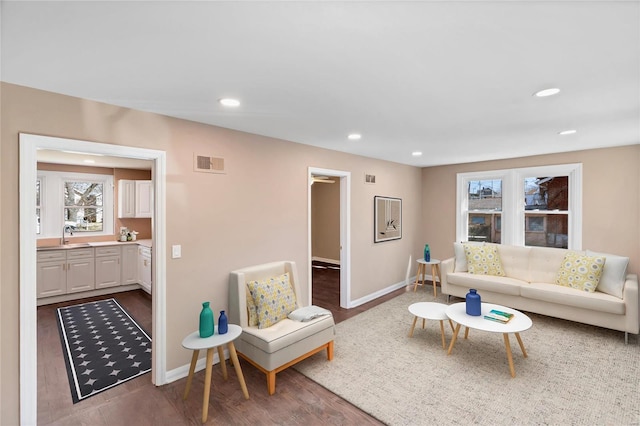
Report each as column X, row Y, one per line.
column 206, row 321
column 427, row 253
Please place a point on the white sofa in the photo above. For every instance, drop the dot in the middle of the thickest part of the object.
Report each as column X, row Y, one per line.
column 285, row 343
column 529, row 285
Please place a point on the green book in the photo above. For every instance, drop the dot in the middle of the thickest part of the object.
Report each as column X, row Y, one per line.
column 498, row 316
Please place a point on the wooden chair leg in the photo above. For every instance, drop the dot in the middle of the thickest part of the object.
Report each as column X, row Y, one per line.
column 330, row 350
column 271, row 382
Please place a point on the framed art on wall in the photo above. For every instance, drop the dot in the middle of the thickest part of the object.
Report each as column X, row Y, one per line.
column 387, row 219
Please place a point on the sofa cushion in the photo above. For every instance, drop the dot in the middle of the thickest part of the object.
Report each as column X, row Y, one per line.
column 580, row 271
column 503, row 285
column 284, row 333
column 568, row 296
column 515, row 261
column 483, row 260
column 461, row 257
column 544, row 263
column 613, row 275
column 274, row 299
column 252, row 309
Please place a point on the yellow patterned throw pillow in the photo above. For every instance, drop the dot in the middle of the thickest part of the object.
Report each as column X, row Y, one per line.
column 274, row 299
column 580, row 272
column 483, row 260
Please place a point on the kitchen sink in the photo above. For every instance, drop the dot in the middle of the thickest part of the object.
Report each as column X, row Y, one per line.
column 65, row 247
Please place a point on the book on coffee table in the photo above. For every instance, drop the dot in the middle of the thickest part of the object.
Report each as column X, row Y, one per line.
column 498, row 316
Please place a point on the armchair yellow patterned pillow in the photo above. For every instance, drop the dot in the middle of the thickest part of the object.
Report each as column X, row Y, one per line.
column 580, row 272
column 274, row 299
column 483, row 260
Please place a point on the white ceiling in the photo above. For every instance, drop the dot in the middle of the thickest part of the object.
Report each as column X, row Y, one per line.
column 451, row 79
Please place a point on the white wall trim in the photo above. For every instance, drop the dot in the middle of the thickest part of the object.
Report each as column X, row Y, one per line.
column 325, row 260
column 345, row 231
column 382, row 292
column 29, row 145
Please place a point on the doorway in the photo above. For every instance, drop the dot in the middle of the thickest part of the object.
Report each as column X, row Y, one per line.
column 29, row 145
column 334, row 250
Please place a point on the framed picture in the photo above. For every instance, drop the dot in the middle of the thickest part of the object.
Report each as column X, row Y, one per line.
column 387, row 219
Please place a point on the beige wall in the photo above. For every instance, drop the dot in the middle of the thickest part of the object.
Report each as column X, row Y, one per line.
column 325, row 220
column 610, row 199
column 256, row 212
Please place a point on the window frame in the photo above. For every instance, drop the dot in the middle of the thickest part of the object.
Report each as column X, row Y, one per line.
column 52, row 202
column 513, row 208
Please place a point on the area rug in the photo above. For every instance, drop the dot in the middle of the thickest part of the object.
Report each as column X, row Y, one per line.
column 574, row 373
column 103, row 347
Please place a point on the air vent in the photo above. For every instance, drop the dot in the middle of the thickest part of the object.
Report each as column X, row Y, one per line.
column 369, row 178
column 206, row 164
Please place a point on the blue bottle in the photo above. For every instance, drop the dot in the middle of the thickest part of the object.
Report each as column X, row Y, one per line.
column 223, row 325
column 427, row 253
column 206, row 321
column 473, row 303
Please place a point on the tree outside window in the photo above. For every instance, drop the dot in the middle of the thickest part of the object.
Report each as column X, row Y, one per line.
column 83, row 206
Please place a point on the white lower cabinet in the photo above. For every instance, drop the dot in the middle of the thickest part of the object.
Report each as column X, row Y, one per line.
column 144, row 268
column 108, row 269
column 77, row 270
column 65, row 271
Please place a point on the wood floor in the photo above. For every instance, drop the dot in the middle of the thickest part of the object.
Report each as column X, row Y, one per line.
column 297, row 401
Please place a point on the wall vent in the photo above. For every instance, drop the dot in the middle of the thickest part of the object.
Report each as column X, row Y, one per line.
column 202, row 163
column 369, row 178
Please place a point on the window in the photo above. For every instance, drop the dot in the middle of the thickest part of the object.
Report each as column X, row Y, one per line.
column 536, row 206
column 80, row 202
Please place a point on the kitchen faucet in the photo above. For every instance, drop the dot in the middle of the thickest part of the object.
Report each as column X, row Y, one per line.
column 64, row 229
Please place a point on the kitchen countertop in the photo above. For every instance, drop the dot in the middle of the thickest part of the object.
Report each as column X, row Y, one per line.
column 144, row 243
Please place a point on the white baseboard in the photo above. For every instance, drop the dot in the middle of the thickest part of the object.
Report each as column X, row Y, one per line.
column 380, row 293
column 183, row 371
column 325, row 260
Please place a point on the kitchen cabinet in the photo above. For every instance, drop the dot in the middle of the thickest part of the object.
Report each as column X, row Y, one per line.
column 129, row 273
column 135, row 198
column 144, row 268
column 65, row 271
column 108, row 268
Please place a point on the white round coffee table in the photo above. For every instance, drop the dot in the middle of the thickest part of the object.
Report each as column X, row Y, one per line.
column 520, row 322
column 430, row 311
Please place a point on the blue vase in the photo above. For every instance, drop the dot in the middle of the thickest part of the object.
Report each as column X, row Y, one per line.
column 206, row 321
column 223, row 324
column 473, row 303
column 427, row 253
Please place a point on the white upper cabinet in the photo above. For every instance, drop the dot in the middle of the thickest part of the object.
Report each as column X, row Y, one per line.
column 135, row 198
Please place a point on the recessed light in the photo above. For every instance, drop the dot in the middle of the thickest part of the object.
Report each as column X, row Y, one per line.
column 416, row 153
column 229, row 102
column 89, row 161
column 354, row 136
column 547, row 92
column 567, row 132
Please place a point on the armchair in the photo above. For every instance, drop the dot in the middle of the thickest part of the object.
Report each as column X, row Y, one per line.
column 285, row 343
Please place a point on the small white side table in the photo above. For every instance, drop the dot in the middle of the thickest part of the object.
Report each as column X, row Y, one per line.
column 195, row 343
column 430, row 311
column 435, row 272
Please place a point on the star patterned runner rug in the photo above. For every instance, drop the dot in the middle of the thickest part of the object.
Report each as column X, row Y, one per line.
column 103, row 347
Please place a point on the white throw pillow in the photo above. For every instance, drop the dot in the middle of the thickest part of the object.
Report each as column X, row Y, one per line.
column 614, row 273
column 461, row 258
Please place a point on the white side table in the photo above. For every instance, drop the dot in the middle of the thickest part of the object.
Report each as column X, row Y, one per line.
column 435, row 272
column 195, row 343
column 430, row 311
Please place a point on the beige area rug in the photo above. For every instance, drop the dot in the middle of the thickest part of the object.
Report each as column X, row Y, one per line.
column 575, row 373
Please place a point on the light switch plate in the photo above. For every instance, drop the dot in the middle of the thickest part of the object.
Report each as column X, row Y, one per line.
column 176, row 252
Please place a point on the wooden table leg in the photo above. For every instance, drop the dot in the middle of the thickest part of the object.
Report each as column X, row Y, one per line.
column 420, row 269
column 451, row 324
column 509, row 355
column 433, row 279
column 453, row 339
column 524, row 352
column 192, row 368
column 466, row 332
column 223, row 364
column 236, row 364
column 207, row 385
column 413, row 326
column 444, row 344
